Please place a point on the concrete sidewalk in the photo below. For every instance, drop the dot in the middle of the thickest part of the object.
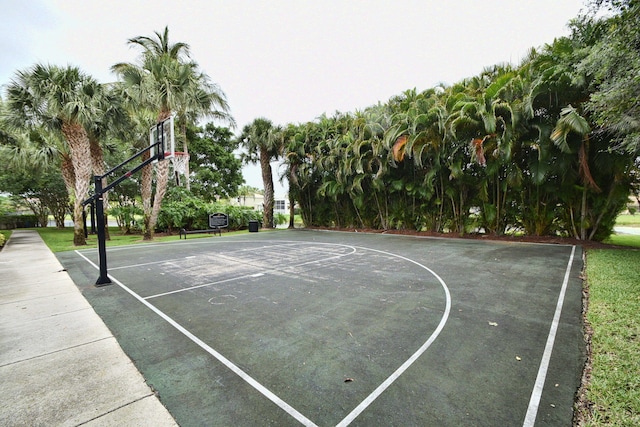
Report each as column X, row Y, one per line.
column 59, row 364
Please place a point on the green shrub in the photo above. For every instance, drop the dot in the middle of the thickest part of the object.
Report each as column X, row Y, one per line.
column 182, row 210
column 2, row 240
column 239, row 216
column 125, row 216
column 280, row 218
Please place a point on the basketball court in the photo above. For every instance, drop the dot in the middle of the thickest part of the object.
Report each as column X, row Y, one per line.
column 326, row 328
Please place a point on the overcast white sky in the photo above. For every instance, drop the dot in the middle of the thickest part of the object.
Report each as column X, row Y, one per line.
column 289, row 60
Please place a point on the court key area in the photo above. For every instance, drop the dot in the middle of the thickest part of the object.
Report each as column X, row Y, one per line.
column 320, row 328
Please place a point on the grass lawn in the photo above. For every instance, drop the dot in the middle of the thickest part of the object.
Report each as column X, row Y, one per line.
column 624, row 240
column 613, row 280
column 614, row 315
column 60, row 240
column 627, row 220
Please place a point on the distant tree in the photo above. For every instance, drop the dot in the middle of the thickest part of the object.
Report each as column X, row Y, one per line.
column 43, row 190
column 215, row 171
column 6, row 205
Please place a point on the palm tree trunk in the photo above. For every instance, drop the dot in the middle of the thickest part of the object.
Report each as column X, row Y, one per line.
column 292, row 210
column 441, row 196
column 267, row 181
column 68, row 174
column 594, row 229
column 146, row 183
column 497, row 226
column 353, row 202
column 97, row 164
column 293, row 181
column 573, row 223
column 307, row 211
column 587, row 182
column 162, row 174
column 78, row 142
column 583, row 214
column 185, row 149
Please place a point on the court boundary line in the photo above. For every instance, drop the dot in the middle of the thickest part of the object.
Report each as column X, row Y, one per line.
column 536, row 394
column 367, row 401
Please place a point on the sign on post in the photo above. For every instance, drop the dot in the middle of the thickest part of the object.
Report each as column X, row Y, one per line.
column 218, row 220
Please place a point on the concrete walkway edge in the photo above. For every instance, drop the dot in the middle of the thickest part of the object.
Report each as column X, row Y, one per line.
column 59, row 363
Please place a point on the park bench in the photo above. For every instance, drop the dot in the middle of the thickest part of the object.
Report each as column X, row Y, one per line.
column 216, row 230
column 217, row 222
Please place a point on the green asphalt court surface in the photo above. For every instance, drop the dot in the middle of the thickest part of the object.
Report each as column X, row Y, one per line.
column 321, row 328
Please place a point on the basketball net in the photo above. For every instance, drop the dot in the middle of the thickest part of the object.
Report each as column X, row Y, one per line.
column 179, row 162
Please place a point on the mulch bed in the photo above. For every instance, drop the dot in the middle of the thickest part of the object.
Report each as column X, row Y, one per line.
column 586, row 244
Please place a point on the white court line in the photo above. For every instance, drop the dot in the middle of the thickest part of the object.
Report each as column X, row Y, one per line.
column 146, row 263
column 536, row 394
column 204, row 285
column 285, row 243
column 396, row 374
column 246, row 377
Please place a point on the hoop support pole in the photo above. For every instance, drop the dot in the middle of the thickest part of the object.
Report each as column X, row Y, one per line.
column 97, row 199
column 102, row 249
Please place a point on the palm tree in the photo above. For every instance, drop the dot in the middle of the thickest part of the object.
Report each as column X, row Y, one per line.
column 258, row 138
column 61, row 100
column 302, row 170
column 110, row 118
column 571, row 121
column 167, row 81
column 291, row 144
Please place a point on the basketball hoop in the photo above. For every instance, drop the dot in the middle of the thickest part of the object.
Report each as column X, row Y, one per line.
column 162, row 139
column 180, row 161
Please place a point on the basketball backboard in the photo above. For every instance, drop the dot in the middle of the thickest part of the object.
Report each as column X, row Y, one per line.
column 162, row 139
